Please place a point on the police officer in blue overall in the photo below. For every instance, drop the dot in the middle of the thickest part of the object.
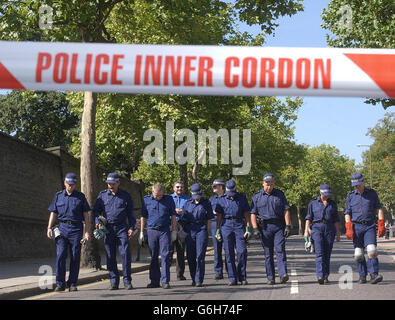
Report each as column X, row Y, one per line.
column 70, row 207
column 156, row 211
column 234, row 210
column 271, row 220
column 360, row 215
column 196, row 217
column 323, row 215
column 219, row 189
column 179, row 200
column 116, row 205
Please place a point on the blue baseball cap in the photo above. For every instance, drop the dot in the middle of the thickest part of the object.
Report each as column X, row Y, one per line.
column 268, row 177
column 325, row 190
column 196, row 191
column 356, row 179
column 230, row 188
column 70, row 178
column 218, row 182
column 112, row 177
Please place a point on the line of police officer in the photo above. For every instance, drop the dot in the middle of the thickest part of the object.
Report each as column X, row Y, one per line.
column 232, row 221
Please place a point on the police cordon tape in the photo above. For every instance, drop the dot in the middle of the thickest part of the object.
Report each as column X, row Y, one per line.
column 197, row 70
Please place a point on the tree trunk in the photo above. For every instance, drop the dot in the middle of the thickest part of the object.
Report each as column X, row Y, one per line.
column 184, row 175
column 90, row 257
column 300, row 220
column 194, row 172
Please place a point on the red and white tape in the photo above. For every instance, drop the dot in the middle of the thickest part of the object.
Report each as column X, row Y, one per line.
column 197, row 70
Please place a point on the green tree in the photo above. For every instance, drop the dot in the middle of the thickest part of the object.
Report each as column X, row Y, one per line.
column 383, row 161
column 22, row 115
column 270, row 122
column 361, row 24
column 319, row 165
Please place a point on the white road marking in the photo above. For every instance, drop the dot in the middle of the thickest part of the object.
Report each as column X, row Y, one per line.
column 294, row 283
column 294, row 287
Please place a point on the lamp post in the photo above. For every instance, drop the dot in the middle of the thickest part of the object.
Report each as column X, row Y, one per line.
column 370, row 162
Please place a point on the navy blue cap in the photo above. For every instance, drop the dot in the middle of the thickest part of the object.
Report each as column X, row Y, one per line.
column 325, row 190
column 112, row 177
column 230, row 188
column 196, row 191
column 268, row 177
column 218, row 182
column 356, row 179
column 70, row 178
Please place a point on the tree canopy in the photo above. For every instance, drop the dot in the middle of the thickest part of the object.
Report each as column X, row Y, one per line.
column 383, row 160
column 40, row 118
column 361, row 24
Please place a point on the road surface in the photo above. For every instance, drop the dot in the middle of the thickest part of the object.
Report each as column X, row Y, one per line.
column 301, row 285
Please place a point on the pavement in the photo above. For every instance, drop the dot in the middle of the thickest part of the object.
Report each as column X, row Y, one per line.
column 34, row 277
column 27, row 277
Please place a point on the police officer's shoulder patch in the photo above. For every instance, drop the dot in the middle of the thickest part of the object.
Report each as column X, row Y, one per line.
column 104, row 191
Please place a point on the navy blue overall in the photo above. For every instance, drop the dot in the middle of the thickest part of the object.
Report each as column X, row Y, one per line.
column 232, row 230
column 69, row 210
column 158, row 214
column 116, row 209
column 362, row 210
column 323, row 219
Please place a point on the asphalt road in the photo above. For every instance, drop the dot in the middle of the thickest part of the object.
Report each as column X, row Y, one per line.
column 301, row 285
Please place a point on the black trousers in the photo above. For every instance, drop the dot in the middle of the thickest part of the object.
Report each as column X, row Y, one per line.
column 180, row 261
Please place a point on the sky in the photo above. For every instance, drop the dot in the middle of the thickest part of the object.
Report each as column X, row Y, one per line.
column 340, row 122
